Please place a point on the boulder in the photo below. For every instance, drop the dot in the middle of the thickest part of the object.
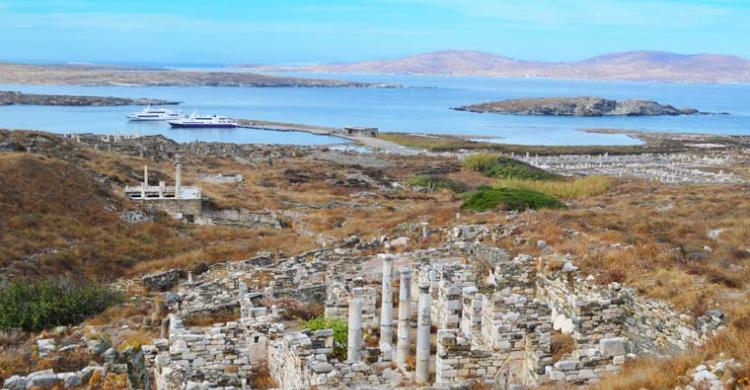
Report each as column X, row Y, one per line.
column 71, row 379
column 321, row 367
column 200, row 268
column 163, row 281
column 15, row 383
column 88, row 372
column 44, row 381
column 11, row 146
column 46, row 346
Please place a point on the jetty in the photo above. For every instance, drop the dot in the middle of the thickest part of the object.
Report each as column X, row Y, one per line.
column 365, row 136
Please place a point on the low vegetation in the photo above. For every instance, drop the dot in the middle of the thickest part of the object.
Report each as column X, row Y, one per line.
column 33, row 306
column 446, row 143
column 652, row 373
column 560, row 345
column 567, row 189
column 340, row 329
column 434, row 183
column 489, row 198
column 492, row 165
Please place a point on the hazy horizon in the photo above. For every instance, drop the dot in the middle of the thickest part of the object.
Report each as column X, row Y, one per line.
column 224, row 64
column 297, row 31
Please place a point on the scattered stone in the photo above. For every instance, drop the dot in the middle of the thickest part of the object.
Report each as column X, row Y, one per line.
column 163, row 281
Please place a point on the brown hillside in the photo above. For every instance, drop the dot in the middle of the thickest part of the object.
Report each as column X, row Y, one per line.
column 59, row 219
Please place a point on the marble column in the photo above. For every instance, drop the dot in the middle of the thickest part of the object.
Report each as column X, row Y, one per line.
column 404, row 310
column 354, row 341
column 422, row 375
column 386, row 306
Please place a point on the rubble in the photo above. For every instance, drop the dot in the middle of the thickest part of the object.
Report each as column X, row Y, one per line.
column 494, row 317
column 673, row 168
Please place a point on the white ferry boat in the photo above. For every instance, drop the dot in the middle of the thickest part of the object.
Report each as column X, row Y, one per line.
column 154, row 114
column 203, row 121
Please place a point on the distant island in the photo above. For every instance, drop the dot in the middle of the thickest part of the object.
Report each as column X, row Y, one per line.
column 14, row 97
column 633, row 65
column 118, row 76
column 577, row 106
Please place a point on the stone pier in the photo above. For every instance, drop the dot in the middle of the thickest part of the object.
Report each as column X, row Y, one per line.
column 354, row 342
column 422, row 375
column 386, row 308
column 404, row 303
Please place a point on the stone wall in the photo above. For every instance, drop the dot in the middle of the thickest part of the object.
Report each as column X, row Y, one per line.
column 182, row 209
column 303, row 360
column 223, row 355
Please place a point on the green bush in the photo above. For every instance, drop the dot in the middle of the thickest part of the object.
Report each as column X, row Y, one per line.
column 479, row 161
column 34, row 306
column 492, row 165
column 340, row 330
column 436, row 183
column 486, row 198
column 508, row 168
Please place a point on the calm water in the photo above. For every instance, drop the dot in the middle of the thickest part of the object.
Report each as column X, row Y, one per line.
column 422, row 107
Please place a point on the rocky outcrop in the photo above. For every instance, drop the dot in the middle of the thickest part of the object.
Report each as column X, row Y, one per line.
column 577, row 106
column 14, row 97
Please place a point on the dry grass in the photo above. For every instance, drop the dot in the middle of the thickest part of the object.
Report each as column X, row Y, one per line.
column 262, row 379
column 668, row 373
column 566, row 189
column 23, row 359
column 561, row 345
column 654, row 237
column 293, row 309
column 212, row 318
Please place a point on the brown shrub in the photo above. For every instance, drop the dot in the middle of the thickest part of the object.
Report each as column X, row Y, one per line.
column 262, row 379
column 208, row 319
column 293, row 309
column 561, row 344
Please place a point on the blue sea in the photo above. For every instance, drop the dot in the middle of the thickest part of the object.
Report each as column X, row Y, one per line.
column 422, row 106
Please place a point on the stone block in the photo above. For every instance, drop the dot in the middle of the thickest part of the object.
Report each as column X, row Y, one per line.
column 566, row 365
column 586, row 374
column 612, row 346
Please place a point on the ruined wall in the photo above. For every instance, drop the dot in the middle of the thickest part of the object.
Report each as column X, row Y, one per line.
column 185, row 209
column 304, row 360
column 338, row 298
column 223, row 355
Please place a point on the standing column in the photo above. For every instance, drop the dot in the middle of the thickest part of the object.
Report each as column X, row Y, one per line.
column 354, row 341
column 404, row 302
column 177, row 181
column 386, row 306
column 145, row 182
column 422, row 375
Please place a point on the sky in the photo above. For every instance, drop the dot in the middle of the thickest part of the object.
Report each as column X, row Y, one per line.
column 300, row 31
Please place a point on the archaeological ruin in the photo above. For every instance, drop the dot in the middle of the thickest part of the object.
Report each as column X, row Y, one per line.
column 465, row 314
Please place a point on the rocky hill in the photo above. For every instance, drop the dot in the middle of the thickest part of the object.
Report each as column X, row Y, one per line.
column 98, row 76
column 15, row 97
column 577, row 106
column 633, row 65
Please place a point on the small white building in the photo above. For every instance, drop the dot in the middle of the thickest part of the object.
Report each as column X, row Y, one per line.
column 181, row 202
column 162, row 191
